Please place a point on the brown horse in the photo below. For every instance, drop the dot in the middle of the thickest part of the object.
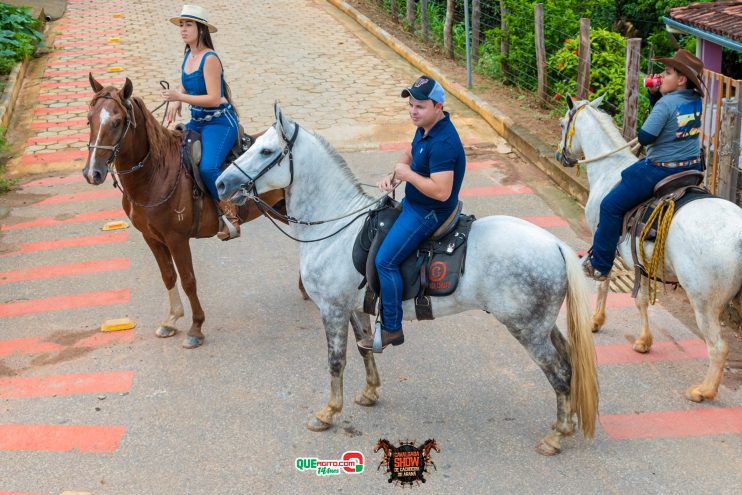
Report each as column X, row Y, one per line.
column 383, row 444
column 145, row 158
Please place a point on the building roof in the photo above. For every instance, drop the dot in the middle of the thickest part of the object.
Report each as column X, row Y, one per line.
column 722, row 18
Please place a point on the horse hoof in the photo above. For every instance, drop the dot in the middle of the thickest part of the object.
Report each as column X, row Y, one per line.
column 545, row 449
column 696, row 394
column 315, row 424
column 364, row 401
column 641, row 347
column 192, row 342
column 165, row 331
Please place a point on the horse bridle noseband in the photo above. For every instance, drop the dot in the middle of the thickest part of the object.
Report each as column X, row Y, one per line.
column 249, row 187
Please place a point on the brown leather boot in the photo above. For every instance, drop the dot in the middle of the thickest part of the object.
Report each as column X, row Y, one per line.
column 229, row 220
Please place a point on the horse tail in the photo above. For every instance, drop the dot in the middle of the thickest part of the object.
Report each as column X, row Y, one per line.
column 584, row 383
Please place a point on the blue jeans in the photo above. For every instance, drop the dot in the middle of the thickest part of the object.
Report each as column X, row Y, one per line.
column 637, row 185
column 410, row 229
column 217, row 138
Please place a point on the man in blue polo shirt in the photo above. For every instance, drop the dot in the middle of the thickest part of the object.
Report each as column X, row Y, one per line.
column 433, row 169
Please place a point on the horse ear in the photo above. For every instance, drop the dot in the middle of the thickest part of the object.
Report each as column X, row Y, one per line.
column 128, row 89
column 93, row 83
column 570, row 102
column 283, row 124
column 597, row 101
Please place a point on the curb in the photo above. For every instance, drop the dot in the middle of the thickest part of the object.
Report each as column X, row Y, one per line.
column 15, row 81
column 529, row 145
column 11, row 91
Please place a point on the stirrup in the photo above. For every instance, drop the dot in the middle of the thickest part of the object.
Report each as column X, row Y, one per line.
column 231, row 229
column 377, row 347
column 591, row 272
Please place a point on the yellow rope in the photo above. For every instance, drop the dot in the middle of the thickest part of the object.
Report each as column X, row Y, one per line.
column 664, row 213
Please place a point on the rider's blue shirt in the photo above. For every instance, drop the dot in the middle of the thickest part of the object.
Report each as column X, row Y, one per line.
column 676, row 122
column 440, row 150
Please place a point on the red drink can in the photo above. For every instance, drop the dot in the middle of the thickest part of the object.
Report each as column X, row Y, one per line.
column 652, row 82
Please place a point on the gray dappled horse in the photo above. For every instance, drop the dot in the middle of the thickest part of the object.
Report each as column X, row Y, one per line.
column 703, row 249
column 518, row 272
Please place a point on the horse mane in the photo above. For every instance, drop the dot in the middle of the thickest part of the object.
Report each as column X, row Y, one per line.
column 164, row 144
column 340, row 161
column 605, row 121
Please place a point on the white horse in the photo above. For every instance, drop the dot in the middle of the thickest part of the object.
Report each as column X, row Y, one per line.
column 523, row 288
column 703, row 250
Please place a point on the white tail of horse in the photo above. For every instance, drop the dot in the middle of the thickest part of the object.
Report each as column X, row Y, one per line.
column 584, row 384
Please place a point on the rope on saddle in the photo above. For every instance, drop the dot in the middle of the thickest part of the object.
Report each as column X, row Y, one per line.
column 663, row 213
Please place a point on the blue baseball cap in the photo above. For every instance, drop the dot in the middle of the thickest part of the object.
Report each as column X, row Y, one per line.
column 425, row 88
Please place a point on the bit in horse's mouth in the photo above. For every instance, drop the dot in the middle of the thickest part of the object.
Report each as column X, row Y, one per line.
column 238, row 198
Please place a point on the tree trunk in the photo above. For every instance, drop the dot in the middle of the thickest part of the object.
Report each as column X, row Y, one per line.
column 425, row 23
column 393, row 7
column 504, row 43
column 448, row 29
column 476, row 15
column 411, row 15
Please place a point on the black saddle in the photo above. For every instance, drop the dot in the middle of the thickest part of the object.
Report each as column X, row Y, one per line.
column 681, row 188
column 433, row 270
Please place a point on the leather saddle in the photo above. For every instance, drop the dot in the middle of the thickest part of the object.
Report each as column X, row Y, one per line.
column 190, row 153
column 681, row 188
column 433, row 270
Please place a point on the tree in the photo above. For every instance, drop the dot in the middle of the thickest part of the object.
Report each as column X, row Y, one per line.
column 448, row 29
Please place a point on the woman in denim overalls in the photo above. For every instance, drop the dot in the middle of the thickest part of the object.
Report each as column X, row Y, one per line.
column 212, row 114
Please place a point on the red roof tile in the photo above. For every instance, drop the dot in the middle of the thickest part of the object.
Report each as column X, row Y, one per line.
column 723, row 18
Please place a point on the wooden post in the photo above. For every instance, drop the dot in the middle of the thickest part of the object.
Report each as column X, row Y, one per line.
column 411, row 15
column 631, row 88
column 476, row 22
column 583, row 69
column 504, row 43
column 424, row 21
column 540, row 51
column 728, row 167
column 448, row 28
column 393, row 7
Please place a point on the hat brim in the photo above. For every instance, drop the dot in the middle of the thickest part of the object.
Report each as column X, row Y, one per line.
column 683, row 69
column 176, row 21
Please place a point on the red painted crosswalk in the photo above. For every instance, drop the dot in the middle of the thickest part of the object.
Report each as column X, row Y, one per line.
column 68, row 270
column 59, row 303
column 673, row 424
column 60, row 438
column 84, row 383
column 72, row 242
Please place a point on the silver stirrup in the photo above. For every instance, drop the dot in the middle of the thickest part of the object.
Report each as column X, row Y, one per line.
column 377, row 347
column 230, row 228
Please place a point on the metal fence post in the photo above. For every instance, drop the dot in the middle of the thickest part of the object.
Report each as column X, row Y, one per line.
column 467, row 34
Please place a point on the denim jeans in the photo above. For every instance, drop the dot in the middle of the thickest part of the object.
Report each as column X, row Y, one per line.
column 637, row 185
column 410, row 229
column 217, row 138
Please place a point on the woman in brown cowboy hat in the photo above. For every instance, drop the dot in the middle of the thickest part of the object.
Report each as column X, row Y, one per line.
column 671, row 136
column 212, row 114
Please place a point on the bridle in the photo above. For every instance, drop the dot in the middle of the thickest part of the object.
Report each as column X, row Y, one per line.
column 564, row 155
column 130, row 122
column 249, row 188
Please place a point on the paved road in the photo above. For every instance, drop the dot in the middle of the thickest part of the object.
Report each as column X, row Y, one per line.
column 125, row 412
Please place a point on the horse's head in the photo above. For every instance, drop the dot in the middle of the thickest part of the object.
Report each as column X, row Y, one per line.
column 109, row 118
column 382, row 444
column 267, row 165
column 431, row 444
column 569, row 145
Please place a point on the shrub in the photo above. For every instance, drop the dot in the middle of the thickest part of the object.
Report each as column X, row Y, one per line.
column 18, row 35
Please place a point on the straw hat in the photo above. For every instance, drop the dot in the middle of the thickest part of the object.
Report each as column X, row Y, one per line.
column 687, row 64
column 194, row 13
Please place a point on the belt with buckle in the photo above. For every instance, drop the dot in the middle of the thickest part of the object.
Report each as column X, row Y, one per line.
column 686, row 163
